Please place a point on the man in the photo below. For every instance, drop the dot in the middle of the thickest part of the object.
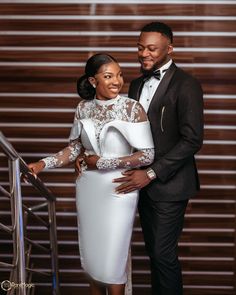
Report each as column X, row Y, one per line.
column 173, row 100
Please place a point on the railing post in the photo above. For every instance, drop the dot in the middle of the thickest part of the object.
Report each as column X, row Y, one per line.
column 54, row 250
column 235, row 247
column 15, row 189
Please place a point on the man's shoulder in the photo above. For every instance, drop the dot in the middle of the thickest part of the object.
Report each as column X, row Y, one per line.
column 185, row 80
column 184, row 75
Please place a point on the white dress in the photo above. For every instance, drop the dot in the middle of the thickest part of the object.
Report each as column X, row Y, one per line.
column 117, row 130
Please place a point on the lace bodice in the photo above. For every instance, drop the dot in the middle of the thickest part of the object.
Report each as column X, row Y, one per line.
column 101, row 113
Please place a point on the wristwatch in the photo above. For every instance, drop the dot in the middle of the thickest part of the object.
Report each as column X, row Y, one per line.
column 151, row 174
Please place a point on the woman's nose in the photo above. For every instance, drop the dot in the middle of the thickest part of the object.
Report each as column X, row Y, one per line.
column 116, row 80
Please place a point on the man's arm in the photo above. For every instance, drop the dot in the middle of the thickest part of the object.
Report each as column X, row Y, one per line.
column 190, row 123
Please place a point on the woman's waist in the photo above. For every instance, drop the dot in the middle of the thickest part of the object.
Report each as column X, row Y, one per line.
column 99, row 178
column 101, row 182
column 104, row 172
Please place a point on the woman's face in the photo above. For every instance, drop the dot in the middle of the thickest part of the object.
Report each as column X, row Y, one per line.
column 108, row 81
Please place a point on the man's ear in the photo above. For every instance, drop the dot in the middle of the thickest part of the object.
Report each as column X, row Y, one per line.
column 170, row 49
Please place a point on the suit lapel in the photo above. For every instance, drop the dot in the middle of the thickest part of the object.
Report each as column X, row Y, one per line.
column 136, row 89
column 161, row 90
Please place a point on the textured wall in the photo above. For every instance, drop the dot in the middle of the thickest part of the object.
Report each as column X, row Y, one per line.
column 43, row 48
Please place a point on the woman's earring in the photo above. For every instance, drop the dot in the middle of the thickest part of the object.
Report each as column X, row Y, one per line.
column 94, row 86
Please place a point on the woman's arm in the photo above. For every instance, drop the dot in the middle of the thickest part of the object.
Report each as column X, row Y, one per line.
column 65, row 156
column 143, row 157
column 62, row 158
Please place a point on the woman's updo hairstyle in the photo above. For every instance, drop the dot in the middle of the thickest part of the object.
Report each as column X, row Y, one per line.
column 84, row 87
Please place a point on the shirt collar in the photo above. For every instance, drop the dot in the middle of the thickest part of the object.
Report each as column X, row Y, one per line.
column 165, row 67
column 163, row 70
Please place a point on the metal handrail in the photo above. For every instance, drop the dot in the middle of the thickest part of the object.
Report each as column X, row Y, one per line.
column 17, row 166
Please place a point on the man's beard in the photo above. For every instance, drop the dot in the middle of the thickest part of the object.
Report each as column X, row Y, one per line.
column 148, row 72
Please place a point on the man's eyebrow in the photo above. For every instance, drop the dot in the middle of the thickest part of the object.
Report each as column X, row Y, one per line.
column 139, row 44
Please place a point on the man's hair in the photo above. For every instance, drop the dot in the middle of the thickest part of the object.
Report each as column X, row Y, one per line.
column 159, row 28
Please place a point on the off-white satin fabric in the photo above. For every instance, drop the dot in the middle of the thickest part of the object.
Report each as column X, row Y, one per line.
column 105, row 218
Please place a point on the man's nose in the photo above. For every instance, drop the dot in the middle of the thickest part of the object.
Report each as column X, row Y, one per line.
column 145, row 52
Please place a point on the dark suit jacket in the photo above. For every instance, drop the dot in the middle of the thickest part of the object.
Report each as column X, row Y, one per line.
column 176, row 117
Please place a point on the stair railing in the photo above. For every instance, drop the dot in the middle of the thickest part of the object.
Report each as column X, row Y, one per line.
column 21, row 269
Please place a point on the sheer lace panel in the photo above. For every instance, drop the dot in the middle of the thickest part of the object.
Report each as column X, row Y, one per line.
column 124, row 109
column 120, row 108
column 103, row 112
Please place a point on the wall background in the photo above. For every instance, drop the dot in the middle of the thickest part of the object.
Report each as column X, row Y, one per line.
column 43, row 47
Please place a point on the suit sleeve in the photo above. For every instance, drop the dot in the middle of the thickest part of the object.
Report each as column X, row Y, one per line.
column 190, row 126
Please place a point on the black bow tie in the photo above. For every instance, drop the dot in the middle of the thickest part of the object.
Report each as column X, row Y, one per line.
column 156, row 74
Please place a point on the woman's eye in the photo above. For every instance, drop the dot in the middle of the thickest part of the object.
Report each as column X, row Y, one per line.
column 107, row 76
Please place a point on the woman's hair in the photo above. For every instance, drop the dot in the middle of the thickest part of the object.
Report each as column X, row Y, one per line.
column 84, row 87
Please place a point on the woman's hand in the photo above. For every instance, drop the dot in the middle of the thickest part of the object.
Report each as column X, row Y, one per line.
column 85, row 161
column 36, row 167
column 91, row 161
column 78, row 167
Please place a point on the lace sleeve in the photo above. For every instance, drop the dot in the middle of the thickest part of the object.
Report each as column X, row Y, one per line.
column 64, row 157
column 69, row 153
column 142, row 157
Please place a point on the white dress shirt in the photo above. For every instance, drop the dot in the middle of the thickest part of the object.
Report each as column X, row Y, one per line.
column 151, row 85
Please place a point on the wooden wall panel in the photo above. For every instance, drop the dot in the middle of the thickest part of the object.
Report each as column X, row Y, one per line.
column 117, row 8
column 66, row 39
column 91, row 24
column 77, row 55
column 43, row 48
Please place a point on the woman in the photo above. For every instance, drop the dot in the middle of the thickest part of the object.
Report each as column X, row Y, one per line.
column 115, row 129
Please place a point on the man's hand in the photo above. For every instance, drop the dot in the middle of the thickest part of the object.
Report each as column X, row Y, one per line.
column 132, row 180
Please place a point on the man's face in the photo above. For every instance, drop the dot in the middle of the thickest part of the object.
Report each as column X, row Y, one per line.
column 154, row 50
